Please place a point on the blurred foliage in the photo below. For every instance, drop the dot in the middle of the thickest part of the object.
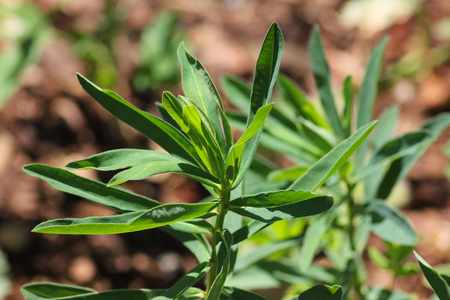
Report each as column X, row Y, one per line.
column 23, row 32
column 158, row 49
column 5, row 284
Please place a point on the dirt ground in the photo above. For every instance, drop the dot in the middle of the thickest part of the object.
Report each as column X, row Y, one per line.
column 51, row 120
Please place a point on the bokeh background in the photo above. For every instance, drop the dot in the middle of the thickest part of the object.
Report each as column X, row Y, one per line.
column 129, row 46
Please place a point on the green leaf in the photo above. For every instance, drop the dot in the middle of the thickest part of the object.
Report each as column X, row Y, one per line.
column 50, row 290
column 266, row 72
column 332, row 161
column 390, row 224
column 44, row 291
column 298, row 102
column 386, row 127
column 313, row 236
column 282, row 205
column 248, row 230
column 202, row 93
column 129, row 222
column 379, row 258
column 213, row 90
column 319, row 137
column 323, row 292
column 367, row 94
column 196, row 243
column 321, row 73
column 193, row 226
column 291, row 173
column 164, row 134
column 376, row 293
column 437, row 282
column 401, row 167
column 188, row 280
column 406, row 144
column 157, row 167
column 237, row 91
column 368, row 90
column 117, row 159
column 262, row 252
column 347, row 114
column 233, row 293
column 236, row 152
column 118, row 199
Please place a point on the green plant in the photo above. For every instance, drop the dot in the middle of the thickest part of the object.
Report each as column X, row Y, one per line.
column 24, row 31
column 309, row 133
column 196, row 134
column 440, row 283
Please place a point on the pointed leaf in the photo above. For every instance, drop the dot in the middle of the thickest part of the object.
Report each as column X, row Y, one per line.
column 237, row 91
column 319, row 137
column 136, row 221
column 323, row 292
column 401, row 167
column 263, row 252
column 298, row 102
column 48, row 290
column 154, row 128
column 291, row 173
column 437, row 282
column 118, row 199
column 386, row 127
column 271, row 207
column 232, row 293
column 391, row 225
column 321, row 73
column 196, row 243
column 198, row 90
column 188, row 280
column 266, row 72
column 332, row 161
column 347, row 92
column 367, row 94
column 118, row 159
column 157, row 167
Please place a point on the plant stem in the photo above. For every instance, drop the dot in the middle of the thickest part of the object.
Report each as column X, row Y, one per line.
column 222, row 211
column 354, row 282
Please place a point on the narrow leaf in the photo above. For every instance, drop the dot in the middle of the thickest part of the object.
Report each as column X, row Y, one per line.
column 157, row 167
column 302, row 208
column 196, row 243
column 197, row 89
column 237, row 91
column 437, row 282
column 332, row 161
column 48, row 290
column 263, row 252
column 298, row 102
column 291, row 173
column 233, row 293
column 347, row 92
column 129, row 222
column 188, row 280
column 386, row 127
column 390, row 224
column 274, row 199
column 323, row 292
column 367, row 94
column 118, row 199
column 266, row 72
column 117, row 159
column 164, row 134
column 321, row 73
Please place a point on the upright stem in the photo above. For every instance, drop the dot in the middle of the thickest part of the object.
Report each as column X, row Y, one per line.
column 354, row 282
column 222, row 211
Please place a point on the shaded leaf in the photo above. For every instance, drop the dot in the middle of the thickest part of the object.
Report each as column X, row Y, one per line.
column 390, row 224
column 49, row 290
column 332, row 161
column 233, row 293
column 188, row 280
column 323, row 292
column 347, row 114
column 129, row 222
column 118, row 199
column 321, row 73
column 164, row 134
column 437, row 282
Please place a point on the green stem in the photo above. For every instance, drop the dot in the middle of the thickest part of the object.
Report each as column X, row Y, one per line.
column 222, row 211
column 354, row 282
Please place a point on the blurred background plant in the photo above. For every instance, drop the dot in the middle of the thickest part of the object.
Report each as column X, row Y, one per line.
column 46, row 118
